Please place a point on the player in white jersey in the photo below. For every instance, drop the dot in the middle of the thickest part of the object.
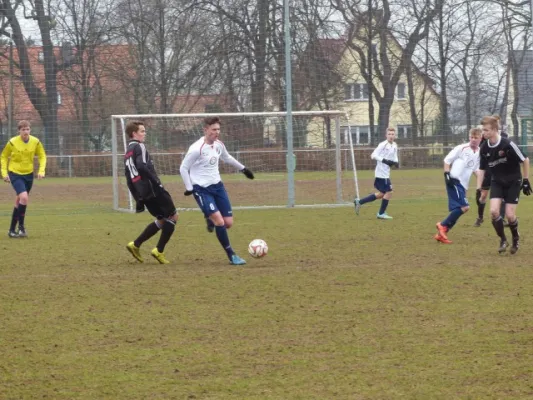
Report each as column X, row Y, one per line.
column 459, row 165
column 386, row 155
column 201, row 176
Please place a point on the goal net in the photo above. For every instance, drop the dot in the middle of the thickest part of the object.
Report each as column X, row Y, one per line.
column 257, row 140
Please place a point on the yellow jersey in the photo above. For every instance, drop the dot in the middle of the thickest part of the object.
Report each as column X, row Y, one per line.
column 17, row 156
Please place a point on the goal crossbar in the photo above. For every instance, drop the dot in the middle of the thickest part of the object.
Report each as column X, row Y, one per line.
column 257, row 140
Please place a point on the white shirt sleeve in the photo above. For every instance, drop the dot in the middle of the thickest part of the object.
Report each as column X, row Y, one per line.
column 189, row 159
column 375, row 154
column 452, row 155
column 395, row 158
column 229, row 159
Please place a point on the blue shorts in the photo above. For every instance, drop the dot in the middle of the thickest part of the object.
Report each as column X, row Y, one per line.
column 456, row 197
column 383, row 185
column 212, row 199
column 21, row 183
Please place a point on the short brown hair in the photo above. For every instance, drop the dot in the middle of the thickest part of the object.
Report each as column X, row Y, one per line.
column 491, row 121
column 211, row 120
column 475, row 132
column 23, row 124
column 133, row 127
column 390, row 128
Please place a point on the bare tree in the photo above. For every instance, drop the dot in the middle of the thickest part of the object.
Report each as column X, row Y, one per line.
column 395, row 40
column 172, row 53
column 85, row 31
column 43, row 97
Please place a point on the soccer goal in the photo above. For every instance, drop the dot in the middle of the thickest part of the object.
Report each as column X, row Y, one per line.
column 259, row 141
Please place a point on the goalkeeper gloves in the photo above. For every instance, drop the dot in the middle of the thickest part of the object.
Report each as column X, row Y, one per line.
column 526, row 187
column 390, row 163
column 139, row 206
column 449, row 180
column 188, row 192
column 249, row 174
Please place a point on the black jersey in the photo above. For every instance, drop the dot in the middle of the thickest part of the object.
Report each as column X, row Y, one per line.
column 503, row 159
column 142, row 179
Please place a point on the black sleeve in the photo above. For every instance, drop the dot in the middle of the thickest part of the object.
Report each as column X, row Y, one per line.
column 140, row 159
column 520, row 155
column 133, row 192
column 482, row 160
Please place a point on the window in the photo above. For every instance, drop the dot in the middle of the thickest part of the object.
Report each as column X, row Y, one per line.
column 405, row 131
column 360, row 135
column 400, row 94
column 40, row 57
column 58, row 98
column 356, row 91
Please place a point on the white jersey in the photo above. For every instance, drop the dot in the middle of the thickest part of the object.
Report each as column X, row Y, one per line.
column 464, row 161
column 384, row 151
column 200, row 164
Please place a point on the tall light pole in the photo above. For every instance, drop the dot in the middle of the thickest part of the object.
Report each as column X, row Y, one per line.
column 11, row 89
column 288, row 104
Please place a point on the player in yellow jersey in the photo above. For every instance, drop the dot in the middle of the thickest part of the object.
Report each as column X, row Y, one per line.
column 17, row 169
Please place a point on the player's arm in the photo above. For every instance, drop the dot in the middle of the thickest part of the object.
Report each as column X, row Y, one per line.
column 375, row 154
column 448, row 161
column 229, row 159
column 481, row 173
column 41, row 155
column 185, row 167
column 140, row 158
column 526, row 186
column 4, row 159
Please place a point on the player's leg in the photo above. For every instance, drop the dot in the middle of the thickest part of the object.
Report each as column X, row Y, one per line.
column 511, row 203
column 224, row 206
column 150, row 230
column 497, row 194
column 371, row 197
column 19, row 185
column 24, row 199
column 457, row 206
column 502, row 213
column 210, row 226
column 481, row 201
column 209, row 199
column 386, row 191
column 168, row 222
column 12, row 233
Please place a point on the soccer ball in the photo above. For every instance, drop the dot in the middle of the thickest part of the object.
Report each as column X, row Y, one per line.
column 258, row 248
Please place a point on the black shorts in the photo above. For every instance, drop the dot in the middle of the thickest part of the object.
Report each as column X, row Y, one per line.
column 161, row 206
column 509, row 192
column 487, row 178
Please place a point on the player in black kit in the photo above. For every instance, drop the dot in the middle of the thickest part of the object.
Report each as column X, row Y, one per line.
column 483, row 191
column 147, row 190
column 502, row 158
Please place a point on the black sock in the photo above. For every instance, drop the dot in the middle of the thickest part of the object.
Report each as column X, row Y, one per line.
column 514, row 229
column 502, row 210
column 148, row 232
column 498, row 226
column 481, row 210
column 166, row 232
column 22, row 214
column 223, row 238
column 14, row 219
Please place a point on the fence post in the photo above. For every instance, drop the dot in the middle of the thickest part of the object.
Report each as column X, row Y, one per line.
column 70, row 166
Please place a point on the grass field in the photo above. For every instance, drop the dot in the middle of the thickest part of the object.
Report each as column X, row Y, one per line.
column 343, row 307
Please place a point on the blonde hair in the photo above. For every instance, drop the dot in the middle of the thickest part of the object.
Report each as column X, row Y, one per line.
column 493, row 122
column 475, row 132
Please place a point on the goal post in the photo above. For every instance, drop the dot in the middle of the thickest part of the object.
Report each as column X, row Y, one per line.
column 257, row 140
